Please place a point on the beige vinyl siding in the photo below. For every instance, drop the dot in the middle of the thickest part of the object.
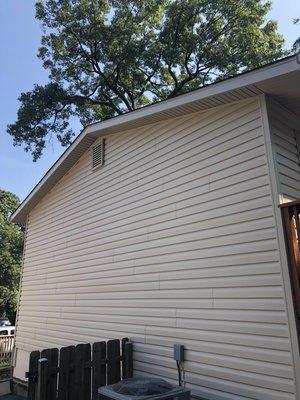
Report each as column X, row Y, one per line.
column 172, row 241
column 285, row 134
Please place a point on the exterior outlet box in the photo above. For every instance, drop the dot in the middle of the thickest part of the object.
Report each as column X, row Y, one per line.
column 178, row 353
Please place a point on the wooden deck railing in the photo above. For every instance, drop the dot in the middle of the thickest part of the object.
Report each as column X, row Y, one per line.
column 6, row 348
column 291, row 222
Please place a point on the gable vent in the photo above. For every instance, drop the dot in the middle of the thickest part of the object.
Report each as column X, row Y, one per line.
column 98, row 155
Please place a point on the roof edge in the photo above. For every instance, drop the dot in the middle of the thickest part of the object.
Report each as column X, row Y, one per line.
column 279, row 67
column 276, row 68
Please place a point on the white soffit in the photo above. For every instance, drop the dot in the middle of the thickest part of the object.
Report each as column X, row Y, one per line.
column 280, row 79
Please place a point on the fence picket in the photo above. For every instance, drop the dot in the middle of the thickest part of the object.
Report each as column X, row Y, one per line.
column 82, row 371
column 123, row 342
column 127, row 363
column 113, row 361
column 52, row 356
column 66, row 381
column 32, row 374
column 43, row 382
column 99, row 367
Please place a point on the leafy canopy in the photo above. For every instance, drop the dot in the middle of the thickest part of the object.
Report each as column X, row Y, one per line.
column 107, row 57
column 296, row 45
column 11, row 243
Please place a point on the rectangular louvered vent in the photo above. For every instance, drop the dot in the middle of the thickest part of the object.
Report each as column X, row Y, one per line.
column 98, row 155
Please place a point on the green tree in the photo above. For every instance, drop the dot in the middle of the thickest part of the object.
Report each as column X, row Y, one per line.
column 107, row 57
column 296, row 45
column 11, row 244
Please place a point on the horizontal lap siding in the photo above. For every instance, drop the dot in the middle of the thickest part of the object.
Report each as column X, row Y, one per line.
column 173, row 240
column 285, row 134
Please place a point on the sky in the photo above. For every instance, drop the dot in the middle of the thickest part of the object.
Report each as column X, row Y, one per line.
column 20, row 69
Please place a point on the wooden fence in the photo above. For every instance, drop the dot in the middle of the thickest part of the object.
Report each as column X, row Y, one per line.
column 76, row 372
column 6, row 348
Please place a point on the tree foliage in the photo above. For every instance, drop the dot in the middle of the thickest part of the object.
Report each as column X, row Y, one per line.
column 296, row 45
column 11, row 244
column 107, row 57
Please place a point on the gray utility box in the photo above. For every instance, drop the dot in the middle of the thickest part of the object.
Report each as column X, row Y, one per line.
column 143, row 388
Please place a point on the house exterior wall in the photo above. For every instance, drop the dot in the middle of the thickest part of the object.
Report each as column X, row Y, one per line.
column 174, row 240
column 285, row 137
